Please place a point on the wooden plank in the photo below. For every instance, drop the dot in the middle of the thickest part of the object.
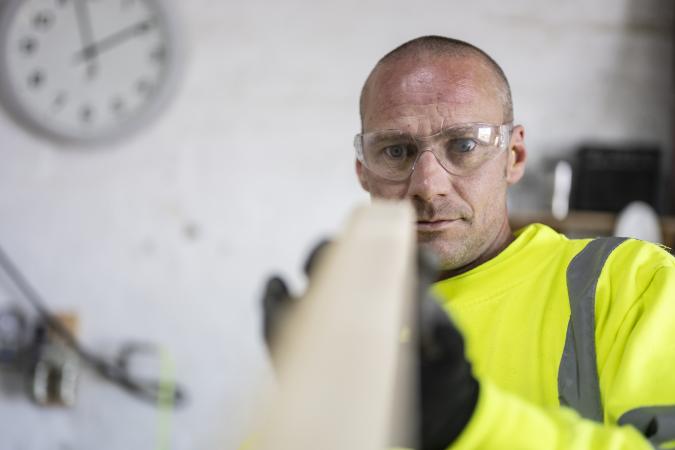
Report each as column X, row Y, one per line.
column 340, row 351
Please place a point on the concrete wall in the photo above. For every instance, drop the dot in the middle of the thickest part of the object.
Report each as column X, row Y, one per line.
column 167, row 237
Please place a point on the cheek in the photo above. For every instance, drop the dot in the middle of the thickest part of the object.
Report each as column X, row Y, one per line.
column 388, row 191
column 485, row 192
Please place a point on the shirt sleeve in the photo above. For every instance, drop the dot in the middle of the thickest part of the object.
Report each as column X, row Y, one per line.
column 505, row 421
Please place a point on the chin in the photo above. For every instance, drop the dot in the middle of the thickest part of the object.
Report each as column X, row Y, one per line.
column 450, row 255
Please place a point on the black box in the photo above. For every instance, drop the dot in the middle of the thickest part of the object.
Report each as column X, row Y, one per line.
column 608, row 178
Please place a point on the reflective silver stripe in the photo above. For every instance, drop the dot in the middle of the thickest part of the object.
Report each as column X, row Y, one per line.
column 655, row 422
column 578, row 384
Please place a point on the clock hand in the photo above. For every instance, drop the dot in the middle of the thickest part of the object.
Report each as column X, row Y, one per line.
column 113, row 40
column 86, row 32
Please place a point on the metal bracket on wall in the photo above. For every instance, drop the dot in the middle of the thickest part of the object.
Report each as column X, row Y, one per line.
column 54, row 367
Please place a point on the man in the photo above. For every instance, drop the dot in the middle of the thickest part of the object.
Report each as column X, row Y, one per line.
column 572, row 342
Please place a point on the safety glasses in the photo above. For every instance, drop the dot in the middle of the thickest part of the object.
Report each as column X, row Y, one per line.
column 460, row 149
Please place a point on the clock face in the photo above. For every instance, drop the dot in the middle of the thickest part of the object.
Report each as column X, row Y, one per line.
column 86, row 70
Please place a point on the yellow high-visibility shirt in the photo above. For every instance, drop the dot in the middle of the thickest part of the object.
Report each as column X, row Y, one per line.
column 514, row 312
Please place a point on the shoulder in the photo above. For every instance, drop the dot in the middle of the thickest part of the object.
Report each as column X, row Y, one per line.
column 543, row 243
column 636, row 277
column 636, row 255
column 640, row 263
column 632, row 265
column 629, row 258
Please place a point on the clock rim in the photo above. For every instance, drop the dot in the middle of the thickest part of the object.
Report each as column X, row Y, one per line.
column 163, row 94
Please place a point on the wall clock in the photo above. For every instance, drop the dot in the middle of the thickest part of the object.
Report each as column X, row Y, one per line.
column 87, row 71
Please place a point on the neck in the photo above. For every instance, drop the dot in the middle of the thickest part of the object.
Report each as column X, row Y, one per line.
column 503, row 239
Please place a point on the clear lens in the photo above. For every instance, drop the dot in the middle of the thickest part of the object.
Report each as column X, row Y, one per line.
column 392, row 154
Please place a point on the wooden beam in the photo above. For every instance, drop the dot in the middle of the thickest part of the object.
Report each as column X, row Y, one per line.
column 341, row 349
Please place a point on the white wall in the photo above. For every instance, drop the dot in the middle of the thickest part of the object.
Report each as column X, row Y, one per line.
column 167, row 237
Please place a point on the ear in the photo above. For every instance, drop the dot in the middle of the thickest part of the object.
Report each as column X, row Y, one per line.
column 517, row 155
column 360, row 172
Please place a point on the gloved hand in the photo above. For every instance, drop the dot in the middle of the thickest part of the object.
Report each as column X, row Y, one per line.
column 448, row 392
column 277, row 304
column 278, row 301
column 448, row 389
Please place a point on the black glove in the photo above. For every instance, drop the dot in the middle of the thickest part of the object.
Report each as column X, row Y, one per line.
column 278, row 301
column 448, row 390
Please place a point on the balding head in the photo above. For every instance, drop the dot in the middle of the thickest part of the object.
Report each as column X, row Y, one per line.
column 415, row 54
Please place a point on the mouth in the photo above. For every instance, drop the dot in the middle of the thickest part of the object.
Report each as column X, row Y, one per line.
column 428, row 226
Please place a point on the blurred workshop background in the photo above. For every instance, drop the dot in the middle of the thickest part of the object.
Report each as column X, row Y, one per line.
column 236, row 158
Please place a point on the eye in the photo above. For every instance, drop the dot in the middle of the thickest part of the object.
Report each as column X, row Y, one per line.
column 462, row 145
column 398, row 151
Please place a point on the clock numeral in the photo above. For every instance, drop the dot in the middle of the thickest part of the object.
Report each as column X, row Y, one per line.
column 158, row 55
column 28, row 45
column 145, row 26
column 43, row 20
column 36, row 79
column 144, row 87
column 117, row 106
column 87, row 114
column 60, row 100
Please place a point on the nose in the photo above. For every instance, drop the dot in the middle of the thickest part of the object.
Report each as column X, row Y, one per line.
column 429, row 179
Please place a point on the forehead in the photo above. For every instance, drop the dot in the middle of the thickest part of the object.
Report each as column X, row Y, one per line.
column 423, row 94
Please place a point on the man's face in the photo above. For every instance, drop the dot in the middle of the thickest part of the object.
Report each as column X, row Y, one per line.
column 460, row 218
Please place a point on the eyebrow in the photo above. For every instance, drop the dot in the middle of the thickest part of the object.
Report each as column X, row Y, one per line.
column 389, row 134
column 392, row 133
